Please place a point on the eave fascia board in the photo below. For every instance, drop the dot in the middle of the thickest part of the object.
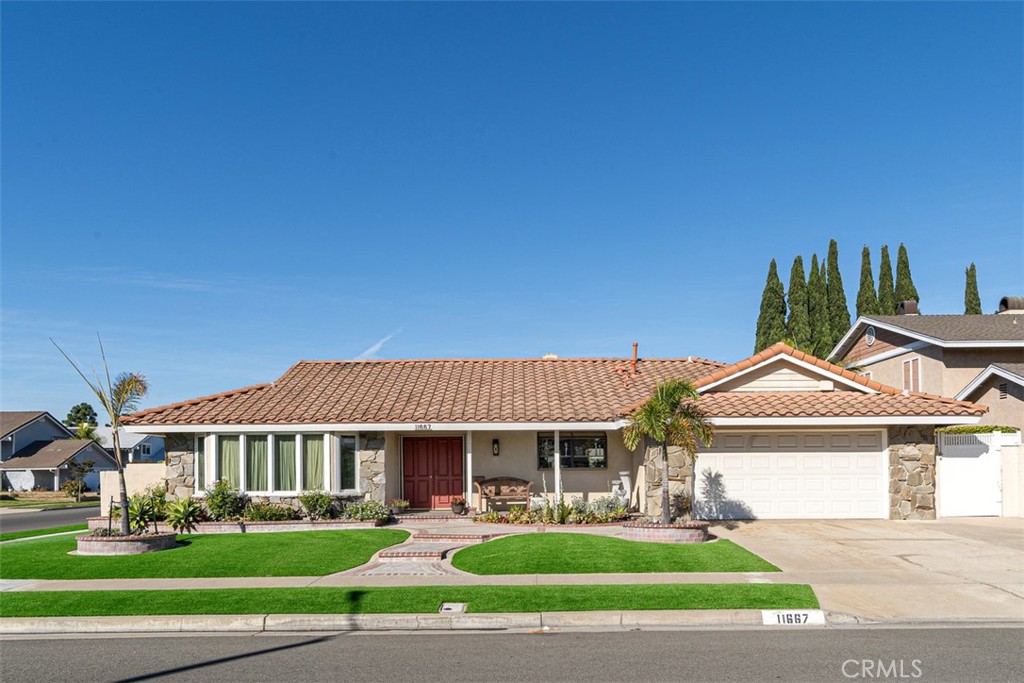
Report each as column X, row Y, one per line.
column 881, row 420
column 419, row 427
column 892, row 353
column 782, row 358
column 983, row 376
column 942, row 343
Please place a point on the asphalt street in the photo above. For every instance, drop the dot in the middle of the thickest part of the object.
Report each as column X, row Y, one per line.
column 975, row 654
column 44, row 519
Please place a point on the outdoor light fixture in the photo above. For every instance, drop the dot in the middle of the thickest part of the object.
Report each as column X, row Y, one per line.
column 495, row 447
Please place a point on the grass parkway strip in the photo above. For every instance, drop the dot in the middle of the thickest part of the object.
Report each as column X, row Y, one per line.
column 561, row 553
column 299, row 553
column 407, row 599
column 10, row 536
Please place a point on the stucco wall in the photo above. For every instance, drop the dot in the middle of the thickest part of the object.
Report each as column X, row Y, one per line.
column 1013, row 481
column 1007, row 411
column 943, row 371
column 137, row 478
column 963, row 365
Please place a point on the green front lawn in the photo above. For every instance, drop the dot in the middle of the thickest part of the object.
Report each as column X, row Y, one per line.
column 298, row 553
column 561, row 553
column 41, row 532
column 408, row 599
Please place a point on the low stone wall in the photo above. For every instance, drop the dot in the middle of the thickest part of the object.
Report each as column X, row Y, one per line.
column 125, row 545
column 911, row 472
column 258, row 527
column 682, row 532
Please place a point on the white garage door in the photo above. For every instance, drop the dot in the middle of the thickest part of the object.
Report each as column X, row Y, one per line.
column 793, row 475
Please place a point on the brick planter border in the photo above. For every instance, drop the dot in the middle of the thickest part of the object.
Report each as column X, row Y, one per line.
column 680, row 532
column 125, row 545
column 243, row 527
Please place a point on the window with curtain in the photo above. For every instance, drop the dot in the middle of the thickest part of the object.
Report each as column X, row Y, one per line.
column 284, row 463
column 312, row 463
column 578, row 450
column 256, row 463
column 200, row 463
column 228, row 460
column 347, row 462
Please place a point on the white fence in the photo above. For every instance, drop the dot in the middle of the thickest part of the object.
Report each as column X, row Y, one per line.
column 980, row 475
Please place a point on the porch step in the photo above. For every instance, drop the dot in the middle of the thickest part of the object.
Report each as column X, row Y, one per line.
column 433, row 517
column 419, row 551
column 463, row 539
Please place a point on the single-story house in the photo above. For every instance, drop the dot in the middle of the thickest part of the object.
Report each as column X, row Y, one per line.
column 796, row 436
column 36, row 449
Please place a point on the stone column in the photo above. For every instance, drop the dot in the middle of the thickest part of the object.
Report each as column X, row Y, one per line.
column 371, row 466
column 911, row 472
column 180, row 460
column 680, row 478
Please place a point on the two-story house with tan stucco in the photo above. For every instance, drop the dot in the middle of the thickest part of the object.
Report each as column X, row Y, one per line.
column 970, row 357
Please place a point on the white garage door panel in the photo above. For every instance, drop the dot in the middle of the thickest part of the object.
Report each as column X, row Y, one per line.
column 793, row 476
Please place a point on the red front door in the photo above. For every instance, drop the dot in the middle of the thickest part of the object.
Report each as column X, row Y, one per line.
column 431, row 470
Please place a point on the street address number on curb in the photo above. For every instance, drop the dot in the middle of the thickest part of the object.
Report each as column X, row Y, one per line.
column 792, row 617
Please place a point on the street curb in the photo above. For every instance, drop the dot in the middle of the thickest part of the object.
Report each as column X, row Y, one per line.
column 378, row 622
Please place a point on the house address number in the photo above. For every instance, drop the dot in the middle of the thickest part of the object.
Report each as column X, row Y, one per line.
column 793, row 617
column 422, row 428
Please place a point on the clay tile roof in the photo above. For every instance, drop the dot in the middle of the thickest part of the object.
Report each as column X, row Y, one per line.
column 46, row 454
column 444, row 390
column 13, row 420
column 783, row 349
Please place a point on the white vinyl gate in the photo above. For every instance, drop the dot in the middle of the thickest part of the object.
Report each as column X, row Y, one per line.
column 793, row 475
column 969, row 475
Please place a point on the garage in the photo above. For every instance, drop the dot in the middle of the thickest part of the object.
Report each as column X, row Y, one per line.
column 786, row 474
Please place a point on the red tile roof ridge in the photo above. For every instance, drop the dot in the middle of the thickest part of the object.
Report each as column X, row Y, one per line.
column 947, row 399
column 128, row 419
column 603, row 359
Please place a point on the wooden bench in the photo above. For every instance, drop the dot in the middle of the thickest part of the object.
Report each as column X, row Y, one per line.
column 503, row 490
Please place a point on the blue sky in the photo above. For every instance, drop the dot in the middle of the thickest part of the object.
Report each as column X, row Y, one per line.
column 223, row 189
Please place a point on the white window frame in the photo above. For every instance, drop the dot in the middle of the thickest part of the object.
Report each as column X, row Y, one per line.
column 913, row 362
column 336, row 462
column 332, row 453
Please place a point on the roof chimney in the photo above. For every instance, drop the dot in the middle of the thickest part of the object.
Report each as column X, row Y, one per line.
column 635, row 345
column 907, row 308
column 1011, row 304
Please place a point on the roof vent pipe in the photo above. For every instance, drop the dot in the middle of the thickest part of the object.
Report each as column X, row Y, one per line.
column 635, row 345
column 1011, row 304
column 907, row 308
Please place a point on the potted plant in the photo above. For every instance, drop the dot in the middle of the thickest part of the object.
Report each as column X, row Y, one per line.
column 458, row 505
column 398, row 505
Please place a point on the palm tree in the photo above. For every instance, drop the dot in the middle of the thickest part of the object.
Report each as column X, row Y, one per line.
column 118, row 397
column 672, row 416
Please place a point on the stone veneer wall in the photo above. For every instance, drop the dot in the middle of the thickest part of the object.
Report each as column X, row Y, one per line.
column 371, row 466
column 680, row 478
column 180, row 458
column 911, row 472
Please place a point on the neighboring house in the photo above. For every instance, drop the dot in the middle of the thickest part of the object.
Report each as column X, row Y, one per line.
column 797, row 437
column 941, row 354
column 134, row 447
column 1000, row 387
column 37, row 448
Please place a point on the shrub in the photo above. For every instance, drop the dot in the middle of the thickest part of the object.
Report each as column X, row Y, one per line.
column 158, row 494
column 399, row 503
column 270, row 512
column 74, row 488
column 105, row 532
column 317, row 504
column 224, row 501
column 367, row 510
column 141, row 513
column 976, row 429
column 183, row 514
column 491, row 517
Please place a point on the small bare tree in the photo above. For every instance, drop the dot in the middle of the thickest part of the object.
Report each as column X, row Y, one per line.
column 118, row 397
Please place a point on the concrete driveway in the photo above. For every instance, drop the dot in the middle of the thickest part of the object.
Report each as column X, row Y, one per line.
column 951, row 569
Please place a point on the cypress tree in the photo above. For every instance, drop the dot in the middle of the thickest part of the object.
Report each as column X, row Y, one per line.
column 838, row 310
column 771, row 323
column 972, row 300
column 886, row 291
column 867, row 300
column 905, row 289
column 798, row 325
column 817, row 310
